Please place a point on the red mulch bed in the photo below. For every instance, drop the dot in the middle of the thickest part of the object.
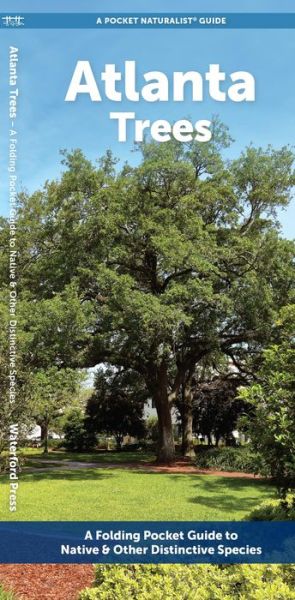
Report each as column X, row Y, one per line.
column 181, row 466
column 46, row 582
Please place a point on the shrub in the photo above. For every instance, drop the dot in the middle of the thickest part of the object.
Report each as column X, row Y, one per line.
column 131, row 447
column 55, row 444
column 205, row 582
column 5, row 462
column 102, row 442
column 228, row 459
column 77, row 437
column 274, row 510
column 152, row 429
column 272, row 430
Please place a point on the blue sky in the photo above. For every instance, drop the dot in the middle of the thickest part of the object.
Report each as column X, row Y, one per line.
column 47, row 58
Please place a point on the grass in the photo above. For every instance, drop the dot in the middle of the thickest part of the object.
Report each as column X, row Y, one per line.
column 99, row 456
column 121, row 494
column 6, row 595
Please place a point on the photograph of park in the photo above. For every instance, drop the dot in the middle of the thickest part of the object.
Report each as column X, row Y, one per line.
column 155, row 363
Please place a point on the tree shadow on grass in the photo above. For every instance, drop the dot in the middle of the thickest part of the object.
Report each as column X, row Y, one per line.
column 96, row 457
column 207, row 481
column 226, row 494
column 68, row 475
column 210, row 482
column 236, row 483
column 231, row 494
column 226, row 502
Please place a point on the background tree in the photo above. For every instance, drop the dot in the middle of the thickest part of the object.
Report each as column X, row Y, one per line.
column 116, row 408
column 51, row 391
column 272, row 425
column 14, row 410
column 217, row 409
column 78, row 437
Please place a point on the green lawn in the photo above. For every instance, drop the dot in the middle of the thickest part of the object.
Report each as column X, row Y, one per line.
column 121, row 494
column 99, row 457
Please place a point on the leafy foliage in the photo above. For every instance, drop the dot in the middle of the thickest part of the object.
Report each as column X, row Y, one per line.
column 227, row 459
column 77, row 438
column 274, row 510
column 216, row 408
column 152, row 429
column 50, row 391
column 116, row 407
column 272, row 428
column 205, row 582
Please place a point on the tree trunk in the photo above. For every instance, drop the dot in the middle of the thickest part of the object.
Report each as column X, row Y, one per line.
column 209, row 438
column 44, row 436
column 188, row 449
column 119, row 440
column 166, row 447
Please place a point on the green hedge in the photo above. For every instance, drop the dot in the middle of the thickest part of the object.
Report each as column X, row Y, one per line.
column 193, row 582
column 274, row 510
column 228, row 459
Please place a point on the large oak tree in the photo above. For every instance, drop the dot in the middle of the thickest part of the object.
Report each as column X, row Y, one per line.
column 167, row 261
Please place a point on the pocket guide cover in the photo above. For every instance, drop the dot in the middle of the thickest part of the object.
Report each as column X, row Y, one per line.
column 147, row 294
